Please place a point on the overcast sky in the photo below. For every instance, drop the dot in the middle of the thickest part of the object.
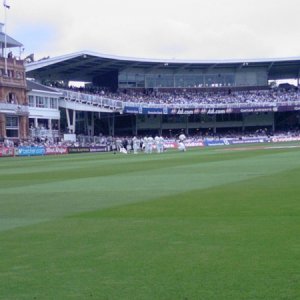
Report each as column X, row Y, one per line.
column 186, row 29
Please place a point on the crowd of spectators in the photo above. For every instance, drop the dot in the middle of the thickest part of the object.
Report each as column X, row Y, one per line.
column 197, row 96
column 103, row 140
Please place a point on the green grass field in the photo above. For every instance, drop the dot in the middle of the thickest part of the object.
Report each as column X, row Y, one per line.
column 205, row 224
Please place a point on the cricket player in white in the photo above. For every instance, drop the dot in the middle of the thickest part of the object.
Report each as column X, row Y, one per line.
column 181, row 145
column 161, row 144
column 145, row 145
column 136, row 145
column 156, row 140
column 150, row 144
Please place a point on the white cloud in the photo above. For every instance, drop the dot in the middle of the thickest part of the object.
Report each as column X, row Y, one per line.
column 190, row 29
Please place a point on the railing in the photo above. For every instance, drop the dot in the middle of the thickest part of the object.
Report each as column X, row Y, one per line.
column 118, row 105
column 85, row 140
column 43, row 133
column 12, row 61
column 95, row 100
column 15, row 109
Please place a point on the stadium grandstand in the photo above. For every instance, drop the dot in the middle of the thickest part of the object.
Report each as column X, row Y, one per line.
column 122, row 96
column 134, row 96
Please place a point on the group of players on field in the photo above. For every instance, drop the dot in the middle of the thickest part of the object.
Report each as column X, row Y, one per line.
column 147, row 145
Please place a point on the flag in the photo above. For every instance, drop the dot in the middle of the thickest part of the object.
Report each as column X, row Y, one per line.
column 5, row 4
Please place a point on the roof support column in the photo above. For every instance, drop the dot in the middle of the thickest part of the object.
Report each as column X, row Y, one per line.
column 160, row 125
column 111, row 125
column 89, row 123
column 71, row 122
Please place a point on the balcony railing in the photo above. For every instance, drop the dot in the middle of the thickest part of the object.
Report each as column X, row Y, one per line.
column 94, row 100
column 14, row 109
column 43, row 133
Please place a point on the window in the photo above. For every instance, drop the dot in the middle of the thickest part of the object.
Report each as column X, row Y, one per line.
column 150, row 81
column 12, row 126
column 53, row 103
column 12, row 133
column 40, row 101
column 31, row 101
column 12, row 122
column 11, row 73
column 165, row 81
column 46, row 102
column 179, row 81
column 140, row 80
column 12, row 98
column 190, row 81
column 19, row 75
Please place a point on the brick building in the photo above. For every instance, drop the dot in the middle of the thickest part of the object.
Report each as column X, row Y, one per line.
column 13, row 101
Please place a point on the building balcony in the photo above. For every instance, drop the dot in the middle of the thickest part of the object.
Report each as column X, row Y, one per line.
column 14, row 109
column 43, row 133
